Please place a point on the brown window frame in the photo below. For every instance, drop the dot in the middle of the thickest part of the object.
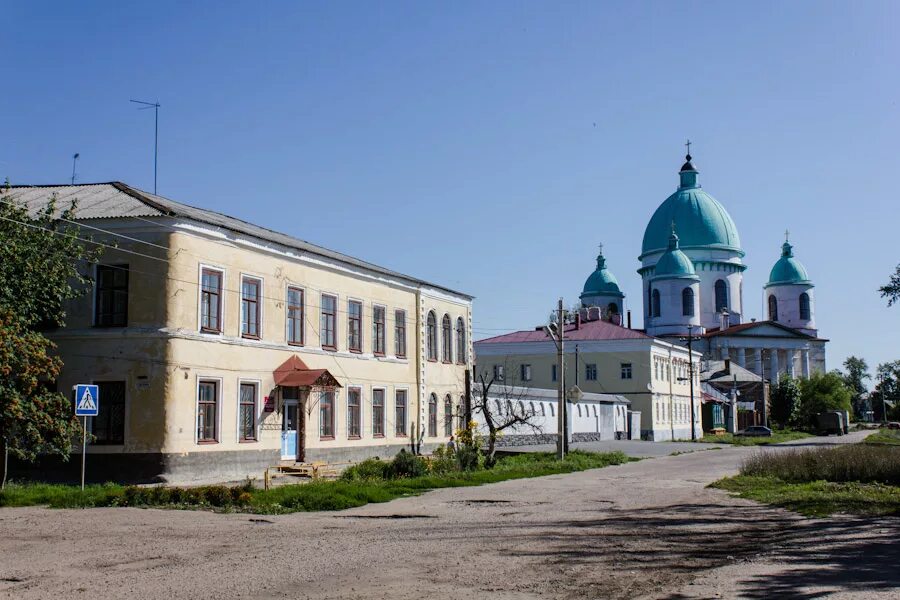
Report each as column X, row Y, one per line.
column 378, row 412
column 205, row 300
column 326, row 408
column 400, row 405
column 379, row 330
column 432, row 415
column 462, row 352
column 446, row 339
column 296, row 320
column 448, row 416
column 253, row 411
column 354, row 413
column 108, row 295
column 246, row 303
column 324, row 322
column 400, row 333
column 214, row 403
column 354, row 326
column 431, row 336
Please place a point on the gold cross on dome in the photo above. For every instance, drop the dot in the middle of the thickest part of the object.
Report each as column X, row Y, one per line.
column 688, row 146
column 787, row 234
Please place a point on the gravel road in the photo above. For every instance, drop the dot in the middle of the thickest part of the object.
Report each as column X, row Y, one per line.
column 649, row 529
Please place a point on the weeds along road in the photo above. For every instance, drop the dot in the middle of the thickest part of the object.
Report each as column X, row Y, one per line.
column 646, row 529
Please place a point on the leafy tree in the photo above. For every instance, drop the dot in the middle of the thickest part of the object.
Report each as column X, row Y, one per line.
column 784, row 398
column 857, row 373
column 822, row 392
column 39, row 258
column 891, row 291
column 888, row 389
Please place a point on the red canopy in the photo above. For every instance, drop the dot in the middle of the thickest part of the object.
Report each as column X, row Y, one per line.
column 294, row 373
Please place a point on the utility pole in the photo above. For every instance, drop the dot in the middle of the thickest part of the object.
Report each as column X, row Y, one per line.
column 74, row 160
column 690, row 340
column 155, row 106
column 558, row 334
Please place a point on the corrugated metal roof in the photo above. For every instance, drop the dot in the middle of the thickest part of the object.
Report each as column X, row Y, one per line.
column 588, row 331
column 118, row 200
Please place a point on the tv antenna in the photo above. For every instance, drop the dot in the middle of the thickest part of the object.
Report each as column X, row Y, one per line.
column 74, row 160
column 155, row 107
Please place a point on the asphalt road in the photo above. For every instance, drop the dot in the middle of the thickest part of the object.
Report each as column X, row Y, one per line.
column 649, row 529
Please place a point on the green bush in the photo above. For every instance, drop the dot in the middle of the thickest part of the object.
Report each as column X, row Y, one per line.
column 405, row 464
column 371, row 469
column 851, row 463
column 443, row 461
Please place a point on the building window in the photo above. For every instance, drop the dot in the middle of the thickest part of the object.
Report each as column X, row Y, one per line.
column 773, row 308
column 211, row 301
column 327, row 324
column 295, row 316
column 250, row 321
column 432, row 416
column 400, row 333
column 498, row 372
column 108, row 427
column 804, row 306
column 326, row 415
column 353, row 412
column 378, row 413
column 525, row 372
column 378, row 332
column 687, row 302
column 553, row 372
column 626, row 370
column 247, row 413
column 400, row 412
column 448, row 416
column 590, row 372
column 552, row 410
column 354, row 326
column 721, row 289
column 656, row 303
column 461, row 353
column 446, row 339
column 431, row 326
column 111, row 303
column 207, row 411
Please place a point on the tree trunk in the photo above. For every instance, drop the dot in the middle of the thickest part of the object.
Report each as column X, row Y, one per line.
column 492, row 444
column 4, row 456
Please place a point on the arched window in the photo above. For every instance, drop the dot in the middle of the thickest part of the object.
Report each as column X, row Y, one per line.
column 531, row 410
column 432, row 416
column 499, row 407
column 721, row 295
column 656, row 307
column 804, row 306
column 447, row 339
column 595, row 410
column 687, row 302
column 552, row 411
column 543, row 409
column 612, row 308
column 579, row 409
column 773, row 308
column 448, row 416
column 461, row 354
column 521, row 408
column 431, row 337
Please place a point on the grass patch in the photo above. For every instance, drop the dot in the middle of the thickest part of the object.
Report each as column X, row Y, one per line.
column 849, row 463
column 817, row 498
column 884, row 437
column 314, row 496
column 778, row 436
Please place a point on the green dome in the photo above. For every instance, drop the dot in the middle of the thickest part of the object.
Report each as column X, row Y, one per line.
column 674, row 263
column 788, row 270
column 601, row 282
column 699, row 219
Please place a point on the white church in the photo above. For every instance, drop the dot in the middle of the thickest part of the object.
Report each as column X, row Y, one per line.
column 692, row 270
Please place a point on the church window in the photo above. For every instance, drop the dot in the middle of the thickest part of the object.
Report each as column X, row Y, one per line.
column 773, row 308
column 655, row 303
column 804, row 306
column 721, row 295
column 687, row 302
column 612, row 309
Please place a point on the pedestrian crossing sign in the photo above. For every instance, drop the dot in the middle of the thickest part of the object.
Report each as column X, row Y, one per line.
column 87, row 400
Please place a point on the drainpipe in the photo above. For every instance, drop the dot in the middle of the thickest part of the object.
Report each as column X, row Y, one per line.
column 420, row 371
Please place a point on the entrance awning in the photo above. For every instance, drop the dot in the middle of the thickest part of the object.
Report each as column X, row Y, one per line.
column 294, row 373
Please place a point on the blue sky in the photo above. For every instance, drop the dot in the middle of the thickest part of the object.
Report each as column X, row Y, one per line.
column 501, row 140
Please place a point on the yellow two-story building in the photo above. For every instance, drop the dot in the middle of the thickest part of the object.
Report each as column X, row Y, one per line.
column 221, row 347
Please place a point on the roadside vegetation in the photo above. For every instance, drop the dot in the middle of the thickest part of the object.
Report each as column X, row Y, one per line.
column 884, row 437
column 369, row 481
column 858, row 478
column 778, row 436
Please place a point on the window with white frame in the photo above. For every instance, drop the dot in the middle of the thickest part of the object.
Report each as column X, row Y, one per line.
column 626, row 370
column 247, row 412
column 525, row 372
column 378, row 330
column 378, row 412
column 400, row 333
column 498, row 372
column 327, row 329
column 400, row 411
column 590, row 372
column 211, row 300
column 251, row 290
column 354, row 326
column 354, row 412
column 295, row 316
column 208, row 411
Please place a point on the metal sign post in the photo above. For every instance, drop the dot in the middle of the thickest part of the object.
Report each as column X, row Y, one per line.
column 87, row 404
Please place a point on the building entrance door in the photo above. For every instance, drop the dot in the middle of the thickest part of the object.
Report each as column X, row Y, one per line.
column 289, row 431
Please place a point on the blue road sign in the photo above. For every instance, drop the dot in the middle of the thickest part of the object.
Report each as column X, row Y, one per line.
column 87, row 400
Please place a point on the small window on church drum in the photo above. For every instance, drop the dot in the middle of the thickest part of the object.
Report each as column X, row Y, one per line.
column 721, row 295
column 687, row 302
column 656, row 307
column 804, row 306
column 773, row 308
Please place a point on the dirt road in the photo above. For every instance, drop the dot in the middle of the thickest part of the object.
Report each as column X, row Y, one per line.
column 647, row 529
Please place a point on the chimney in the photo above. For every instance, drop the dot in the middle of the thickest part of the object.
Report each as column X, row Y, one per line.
column 578, row 320
column 727, row 366
column 628, row 313
column 616, row 319
column 593, row 313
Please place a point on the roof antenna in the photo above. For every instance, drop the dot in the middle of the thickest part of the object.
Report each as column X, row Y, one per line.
column 74, row 159
column 155, row 107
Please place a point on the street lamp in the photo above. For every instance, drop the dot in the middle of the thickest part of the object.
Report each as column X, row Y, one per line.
column 690, row 338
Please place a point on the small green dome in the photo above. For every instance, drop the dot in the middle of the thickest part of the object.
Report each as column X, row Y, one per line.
column 788, row 270
column 674, row 263
column 700, row 219
column 601, row 282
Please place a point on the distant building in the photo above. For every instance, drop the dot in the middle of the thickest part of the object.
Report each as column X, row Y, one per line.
column 221, row 347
